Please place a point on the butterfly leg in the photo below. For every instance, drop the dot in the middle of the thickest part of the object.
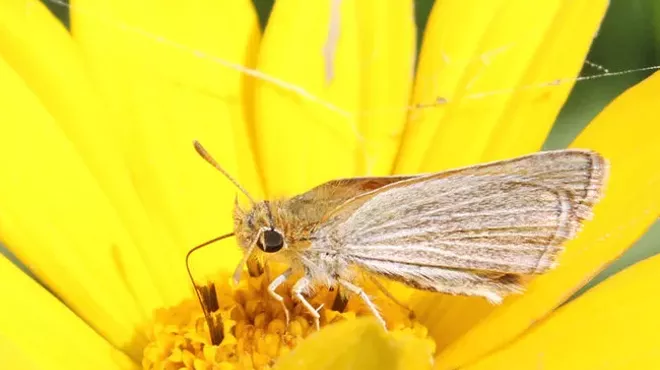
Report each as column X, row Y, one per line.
column 298, row 288
column 365, row 298
column 271, row 290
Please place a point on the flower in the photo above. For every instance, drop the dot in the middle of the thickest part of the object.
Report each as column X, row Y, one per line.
column 102, row 194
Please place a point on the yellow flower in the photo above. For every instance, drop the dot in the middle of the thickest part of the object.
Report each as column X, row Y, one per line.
column 102, row 193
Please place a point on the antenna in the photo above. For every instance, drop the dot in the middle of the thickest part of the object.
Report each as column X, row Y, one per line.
column 270, row 214
column 207, row 314
column 204, row 154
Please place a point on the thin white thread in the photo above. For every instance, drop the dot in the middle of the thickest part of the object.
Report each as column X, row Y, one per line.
column 299, row 91
column 486, row 59
column 303, row 93
column 350, row 116
column 558, row 82
column 597, row 66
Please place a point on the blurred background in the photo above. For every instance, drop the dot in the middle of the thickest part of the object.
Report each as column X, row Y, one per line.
column 629, row 39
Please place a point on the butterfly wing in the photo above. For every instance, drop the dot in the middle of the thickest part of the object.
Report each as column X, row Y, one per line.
column 319, row 201
column 470, row 230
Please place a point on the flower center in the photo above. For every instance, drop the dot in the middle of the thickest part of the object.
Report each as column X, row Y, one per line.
column 246, row 327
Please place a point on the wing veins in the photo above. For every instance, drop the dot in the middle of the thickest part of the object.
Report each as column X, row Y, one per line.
column 440, row 234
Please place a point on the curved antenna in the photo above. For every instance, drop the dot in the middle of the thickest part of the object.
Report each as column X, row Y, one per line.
column 204, row 154
column 207, row 315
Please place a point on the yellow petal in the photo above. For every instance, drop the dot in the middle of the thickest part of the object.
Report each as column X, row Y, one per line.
column 56, row 219
column 613, row 326
column 64, row 87
column 38, row 332
column 302, row 142
column 347, row 67
column 631, row 205
column 492, row 78
column 355, row 344
column 387, row 37
column 168, row 66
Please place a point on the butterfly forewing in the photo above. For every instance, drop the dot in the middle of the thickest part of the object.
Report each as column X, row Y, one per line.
column 486, row 223
column 332, row 194
column 444, row 224
column 314, row 204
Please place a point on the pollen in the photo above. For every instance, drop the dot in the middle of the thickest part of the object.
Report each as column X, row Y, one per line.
column 246, row 328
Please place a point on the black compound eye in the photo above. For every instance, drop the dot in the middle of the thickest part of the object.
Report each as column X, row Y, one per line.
column 273, row 241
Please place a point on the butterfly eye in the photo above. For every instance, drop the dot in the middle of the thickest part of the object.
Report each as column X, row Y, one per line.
column 272, row 242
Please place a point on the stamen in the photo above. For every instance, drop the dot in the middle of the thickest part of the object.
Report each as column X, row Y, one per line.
column 248, row 326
